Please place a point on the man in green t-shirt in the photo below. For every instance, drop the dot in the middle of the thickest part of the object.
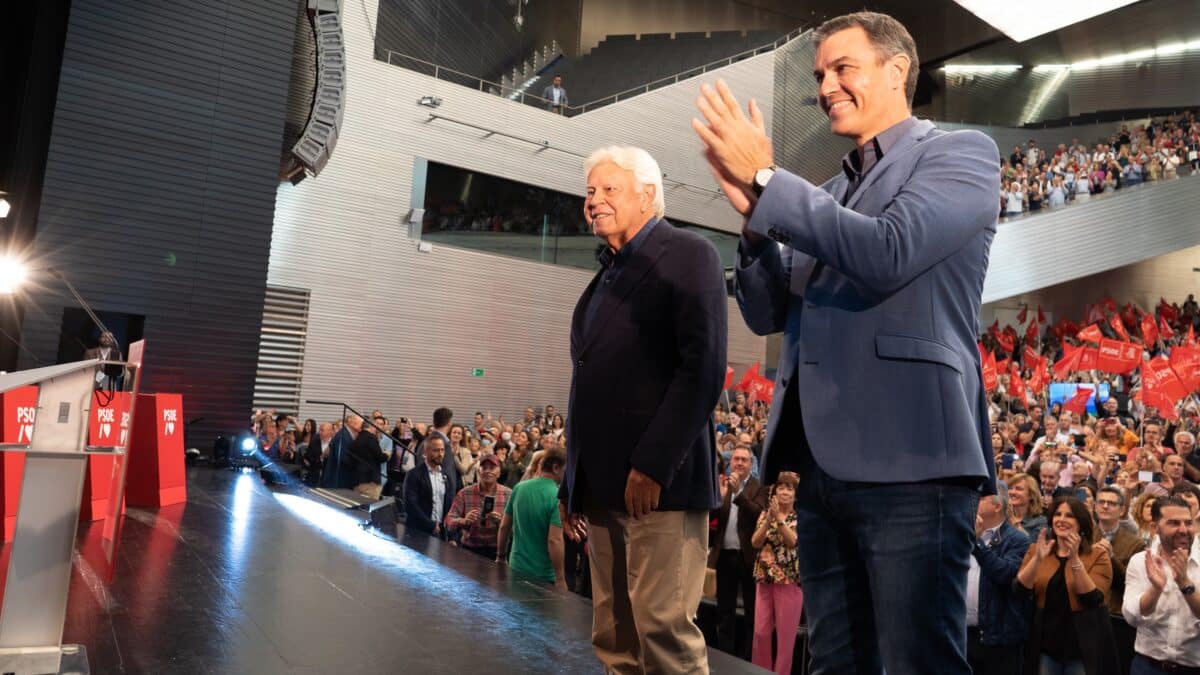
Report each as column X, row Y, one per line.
column 531, row 517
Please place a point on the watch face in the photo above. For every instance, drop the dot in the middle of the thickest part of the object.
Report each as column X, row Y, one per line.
column 763, row 175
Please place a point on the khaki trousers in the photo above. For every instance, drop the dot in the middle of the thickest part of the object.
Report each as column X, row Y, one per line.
column 647, row 579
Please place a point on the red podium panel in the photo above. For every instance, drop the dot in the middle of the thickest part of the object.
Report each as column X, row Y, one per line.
column 18, row 408
column 156, row 470
column 109, row 425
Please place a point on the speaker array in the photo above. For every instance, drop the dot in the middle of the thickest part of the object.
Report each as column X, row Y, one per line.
column 317, row 142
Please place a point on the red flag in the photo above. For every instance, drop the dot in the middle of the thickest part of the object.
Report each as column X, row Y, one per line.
column 1037, row 381
column 1088, row 358
column 1003, row 365
column 1041, row 316
column 728, row 377
column 761, row 388
column 1078, row 402
column 1185, row 361
column 1129, row 314
column 1030, row 358
column 1149, row 330
column 1190, row 338
column 747, row 379
column 990, row 378
column 1007, row 342
column 1090, row 334
column 1167, row 311
column 994, row 329
column 1016, row 386
column 1023, row 313
column 1031, row 333
column 1109, row 304
column 1164, row 329
column 1069, row 362
column 1163, row 389
column 1119, row 327
column 1115, row 356
column 1094, row 313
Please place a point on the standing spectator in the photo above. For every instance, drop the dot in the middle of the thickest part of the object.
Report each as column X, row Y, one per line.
column 368, row 458
column 442, row 420
column 1160, row 595
column 555, row 95
column 315, row 454
column 1014, row 199
column 1185, row 446
column 1068, row 577
column 652, row 325
column 731, row 554
column 532, row 519
column 779, row 602
column 339, row 465
column 1033, row 154
column 478, row 509
column 427, row 492
column 1025, row 505
column 516, row 465
column 996, row 626
column 1120, row 543
column 465, row 463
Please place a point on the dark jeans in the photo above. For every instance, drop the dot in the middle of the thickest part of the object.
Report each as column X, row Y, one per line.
column 992, row 660
column 734, row 576
column 1143, row 666
column 576, row 567
column 1123, row 636
column 884, row 570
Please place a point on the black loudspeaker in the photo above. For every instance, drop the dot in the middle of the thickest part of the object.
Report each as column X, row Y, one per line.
column 221, row 448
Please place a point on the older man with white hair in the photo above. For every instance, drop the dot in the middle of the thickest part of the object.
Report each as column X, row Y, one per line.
column 648, row 347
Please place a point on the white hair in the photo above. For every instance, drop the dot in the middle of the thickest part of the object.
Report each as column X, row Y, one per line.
column 636, row 161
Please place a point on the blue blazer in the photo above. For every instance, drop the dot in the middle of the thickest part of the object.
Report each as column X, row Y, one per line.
column 879, row 301
column 647, row 375
column 1002, row 612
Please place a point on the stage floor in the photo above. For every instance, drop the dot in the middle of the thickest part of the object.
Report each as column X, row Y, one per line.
column 246, row 579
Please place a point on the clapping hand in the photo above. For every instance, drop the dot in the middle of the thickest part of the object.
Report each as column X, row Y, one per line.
column 736, row 145
column 1156, row 571
column 1044, row 545
column 1104, row 545
column 723, row 485
column 1178, row 562
column 1071, row 541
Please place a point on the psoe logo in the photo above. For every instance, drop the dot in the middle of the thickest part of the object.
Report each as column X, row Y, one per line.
column 105, row 417
column 170, row 417
column 25, row 419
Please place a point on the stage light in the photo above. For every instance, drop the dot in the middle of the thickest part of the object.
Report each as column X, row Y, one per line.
column 248, row 445
column 982, row 70
column 4, row 205
column 12, row 274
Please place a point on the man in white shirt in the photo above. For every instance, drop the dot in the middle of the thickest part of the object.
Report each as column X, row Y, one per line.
column 1160, row 595
column 556, row 98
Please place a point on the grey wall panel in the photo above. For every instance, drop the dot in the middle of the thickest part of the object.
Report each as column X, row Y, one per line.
column 400, row 330
column 160, row 187
column 800, row 129
column 1092, row 237
column 1161, row 82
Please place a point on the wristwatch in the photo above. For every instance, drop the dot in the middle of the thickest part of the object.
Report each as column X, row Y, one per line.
column 760, row 179
column 1188, row 590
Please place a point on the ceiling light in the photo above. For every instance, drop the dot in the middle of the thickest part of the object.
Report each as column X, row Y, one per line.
column 4, row 205
column 1050, row 67
column 1167, row 50
column 1024, row 19
column 1005, row 68
column 12, row 274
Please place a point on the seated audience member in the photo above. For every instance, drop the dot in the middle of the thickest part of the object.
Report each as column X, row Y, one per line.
column 996, row 625
column 478, row 508
column 532, row 520
column 732, row 554
column 1161, row 602
column 1120, row 543
column 367, row 458
column 1025, row 505
column 779, row 601
column 1067, row 578
column 427, row 490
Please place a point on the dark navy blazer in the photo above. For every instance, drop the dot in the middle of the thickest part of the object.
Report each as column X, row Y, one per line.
column 646, row 376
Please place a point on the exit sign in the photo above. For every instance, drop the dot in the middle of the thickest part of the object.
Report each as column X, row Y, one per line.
column 477, row 372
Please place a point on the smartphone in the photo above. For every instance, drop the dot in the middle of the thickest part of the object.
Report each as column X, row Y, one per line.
column 489, row 504
column 1007, row 459
column 1149, row 477
column 1080, row 440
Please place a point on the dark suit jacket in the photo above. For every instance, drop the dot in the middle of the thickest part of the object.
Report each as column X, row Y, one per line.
column 652, row 363
column 750, row 503
column 876, row 299
column 1125, row 544
column 366, row 455
column 339, row 465
column 448, row 466
column 418, row 499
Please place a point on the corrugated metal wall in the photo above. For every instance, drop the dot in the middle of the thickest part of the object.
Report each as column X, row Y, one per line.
column 800, row 129
column 160, row 185
column 1161, row 82
column 400, row 330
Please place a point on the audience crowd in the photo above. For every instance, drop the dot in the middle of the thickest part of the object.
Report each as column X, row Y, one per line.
column 1085, row 561
column 1035, row 178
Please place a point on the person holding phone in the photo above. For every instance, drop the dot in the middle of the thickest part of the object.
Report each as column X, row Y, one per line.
column 477, row 509
column 778, row 599
column 1068, row 579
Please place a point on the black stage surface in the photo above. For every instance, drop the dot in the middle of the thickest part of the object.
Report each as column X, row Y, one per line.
column 249, row 579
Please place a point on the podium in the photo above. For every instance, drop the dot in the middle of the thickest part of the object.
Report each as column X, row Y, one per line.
column 56, row 446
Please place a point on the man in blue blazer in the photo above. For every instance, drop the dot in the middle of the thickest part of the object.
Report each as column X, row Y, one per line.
column 648, row 347
column 875, row 279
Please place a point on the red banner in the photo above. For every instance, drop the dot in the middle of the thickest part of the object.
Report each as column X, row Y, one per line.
column 1094, row 313
column 1164, row 329
column 1023, row 313
column 1115, row 356
column 1090, row 334
column 728, row 377
column 1031, row 333
column 748, row 379
column 1149, row 330
column 1185, row 361
column 1078, row 403
column 1041, row 316
column 1167, row 311
column 1016, row 386
column 1161, row 386
column 1119, row 327
column 990, row 378
column 1089, row 358
column 1069, row 362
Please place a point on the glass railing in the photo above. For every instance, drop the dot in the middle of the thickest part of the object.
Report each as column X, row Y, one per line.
column 518, row 94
